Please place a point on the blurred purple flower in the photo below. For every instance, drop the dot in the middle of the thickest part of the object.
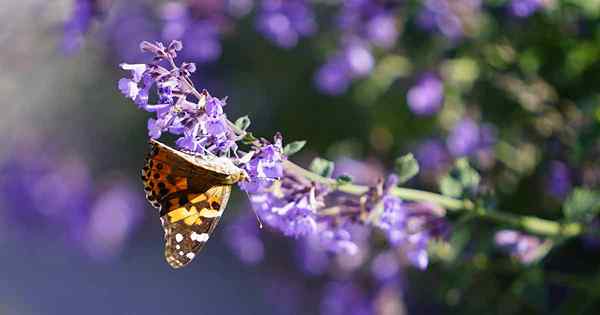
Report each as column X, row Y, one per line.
column 284, row 22
column 83, row 12
column 312, row 257
column 426, row 97
column 524, row 8
column 114, row 215
column 385, row 266
column 371, row 21
column 354, row 61
column 558, row 180
column 432, row 155
column 243, row 239
column 345, row 298
column 448, row 16
column 124, row 30
column 467, row 137
column 364, row 173
column 523, row 247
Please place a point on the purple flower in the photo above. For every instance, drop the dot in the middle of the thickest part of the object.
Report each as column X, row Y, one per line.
column 352, row 62
column 523, row 247
column 370, row 21
column 345, row 298
column 114, row 215
column 385, row 266
column 284, row 22
column 426, row 97
column 449, row 17
column 432, row 155
column 558, row 180
column 467, row 137
column 524, row 8
column 84, row 11
column 338, row 240
column 243, row 239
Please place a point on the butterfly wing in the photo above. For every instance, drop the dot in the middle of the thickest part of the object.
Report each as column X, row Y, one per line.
column 189, row 196
column 188, row 224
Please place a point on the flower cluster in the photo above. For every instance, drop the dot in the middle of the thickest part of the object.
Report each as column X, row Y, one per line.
column 523, row 247
column 47, row 192
column 282, row 197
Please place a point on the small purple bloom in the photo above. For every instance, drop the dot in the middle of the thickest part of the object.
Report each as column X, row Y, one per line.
column 427, row 96
column 78, row 24
column 521, row 246
column 284, row 22
column 524, row 8
column 332, row 77
column 432, row 155
column 385, row 266
column 467, row 137
column 558, row 180
column 243, row 239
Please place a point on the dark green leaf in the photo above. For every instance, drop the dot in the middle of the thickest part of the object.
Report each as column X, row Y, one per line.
column 343, row 179
column 322, row 167
column 462, row 180
column 293, row 147
column 582, row 205
column 406, row 167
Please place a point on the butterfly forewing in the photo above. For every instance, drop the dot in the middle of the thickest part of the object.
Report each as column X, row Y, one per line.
column 191, row 193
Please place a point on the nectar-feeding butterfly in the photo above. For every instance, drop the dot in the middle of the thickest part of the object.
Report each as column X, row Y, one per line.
column 191, row 192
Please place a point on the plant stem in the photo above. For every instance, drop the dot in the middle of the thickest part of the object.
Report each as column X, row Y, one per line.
column 529, row 224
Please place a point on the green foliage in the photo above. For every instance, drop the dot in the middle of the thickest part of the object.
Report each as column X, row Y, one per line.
column 322, row 167
column 243, row 122
column 343, row 179
column 406, row 167
column 461, row 181
column 293, row 147
column 582, row 205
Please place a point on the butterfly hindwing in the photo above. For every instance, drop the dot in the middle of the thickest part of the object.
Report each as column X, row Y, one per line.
column 189, row 223
column 190, row 193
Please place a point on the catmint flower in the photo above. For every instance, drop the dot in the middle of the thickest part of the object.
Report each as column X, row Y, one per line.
column 385, row 266
column 558, row 182
column 243, row 239
column 284, row 22
column 352, row 62
column 467, row 137
column 83, row 12
column 426, row 97
column 524, row 8
column 522, row 247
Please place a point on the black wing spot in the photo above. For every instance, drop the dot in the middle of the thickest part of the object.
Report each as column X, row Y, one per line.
column 215, row 205
column 183, row 200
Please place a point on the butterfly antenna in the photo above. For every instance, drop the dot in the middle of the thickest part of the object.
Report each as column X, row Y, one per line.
column 260, row 225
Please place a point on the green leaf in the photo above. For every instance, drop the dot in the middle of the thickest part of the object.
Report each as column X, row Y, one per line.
column 243, row 122
column 582, row 205
column 249, row 138
column 343, row 179
column 406, row 167
column 293, row 147
column 462, row 180
column 450, row 187
column 322, row 167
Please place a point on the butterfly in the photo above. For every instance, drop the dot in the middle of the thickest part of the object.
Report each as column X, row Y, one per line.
column 191, row 192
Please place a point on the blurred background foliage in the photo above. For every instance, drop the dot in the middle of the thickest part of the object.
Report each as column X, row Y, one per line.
column 511, row 85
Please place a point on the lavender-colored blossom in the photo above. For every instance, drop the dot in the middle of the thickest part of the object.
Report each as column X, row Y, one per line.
column 83, row 12
column 524, row 8
column 312, row 257
column 467, row 137
column 352, row 62
column 371, row 21
column 345, row 298
column 124, row 30
column 522, row 247
column 385, row 266
column 449, row 17
column 558, row 180
column 426, row 97
column 243, row 239
column 284, row 22
column 114, row 215
column 432, row 155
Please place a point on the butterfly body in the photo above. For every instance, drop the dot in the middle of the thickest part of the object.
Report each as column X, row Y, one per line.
column 191, row 192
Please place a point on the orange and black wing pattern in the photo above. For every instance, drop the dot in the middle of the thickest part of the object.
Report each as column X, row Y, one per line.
column 190, row 198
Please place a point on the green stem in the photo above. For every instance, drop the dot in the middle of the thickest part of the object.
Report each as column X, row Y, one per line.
column 529, row 224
